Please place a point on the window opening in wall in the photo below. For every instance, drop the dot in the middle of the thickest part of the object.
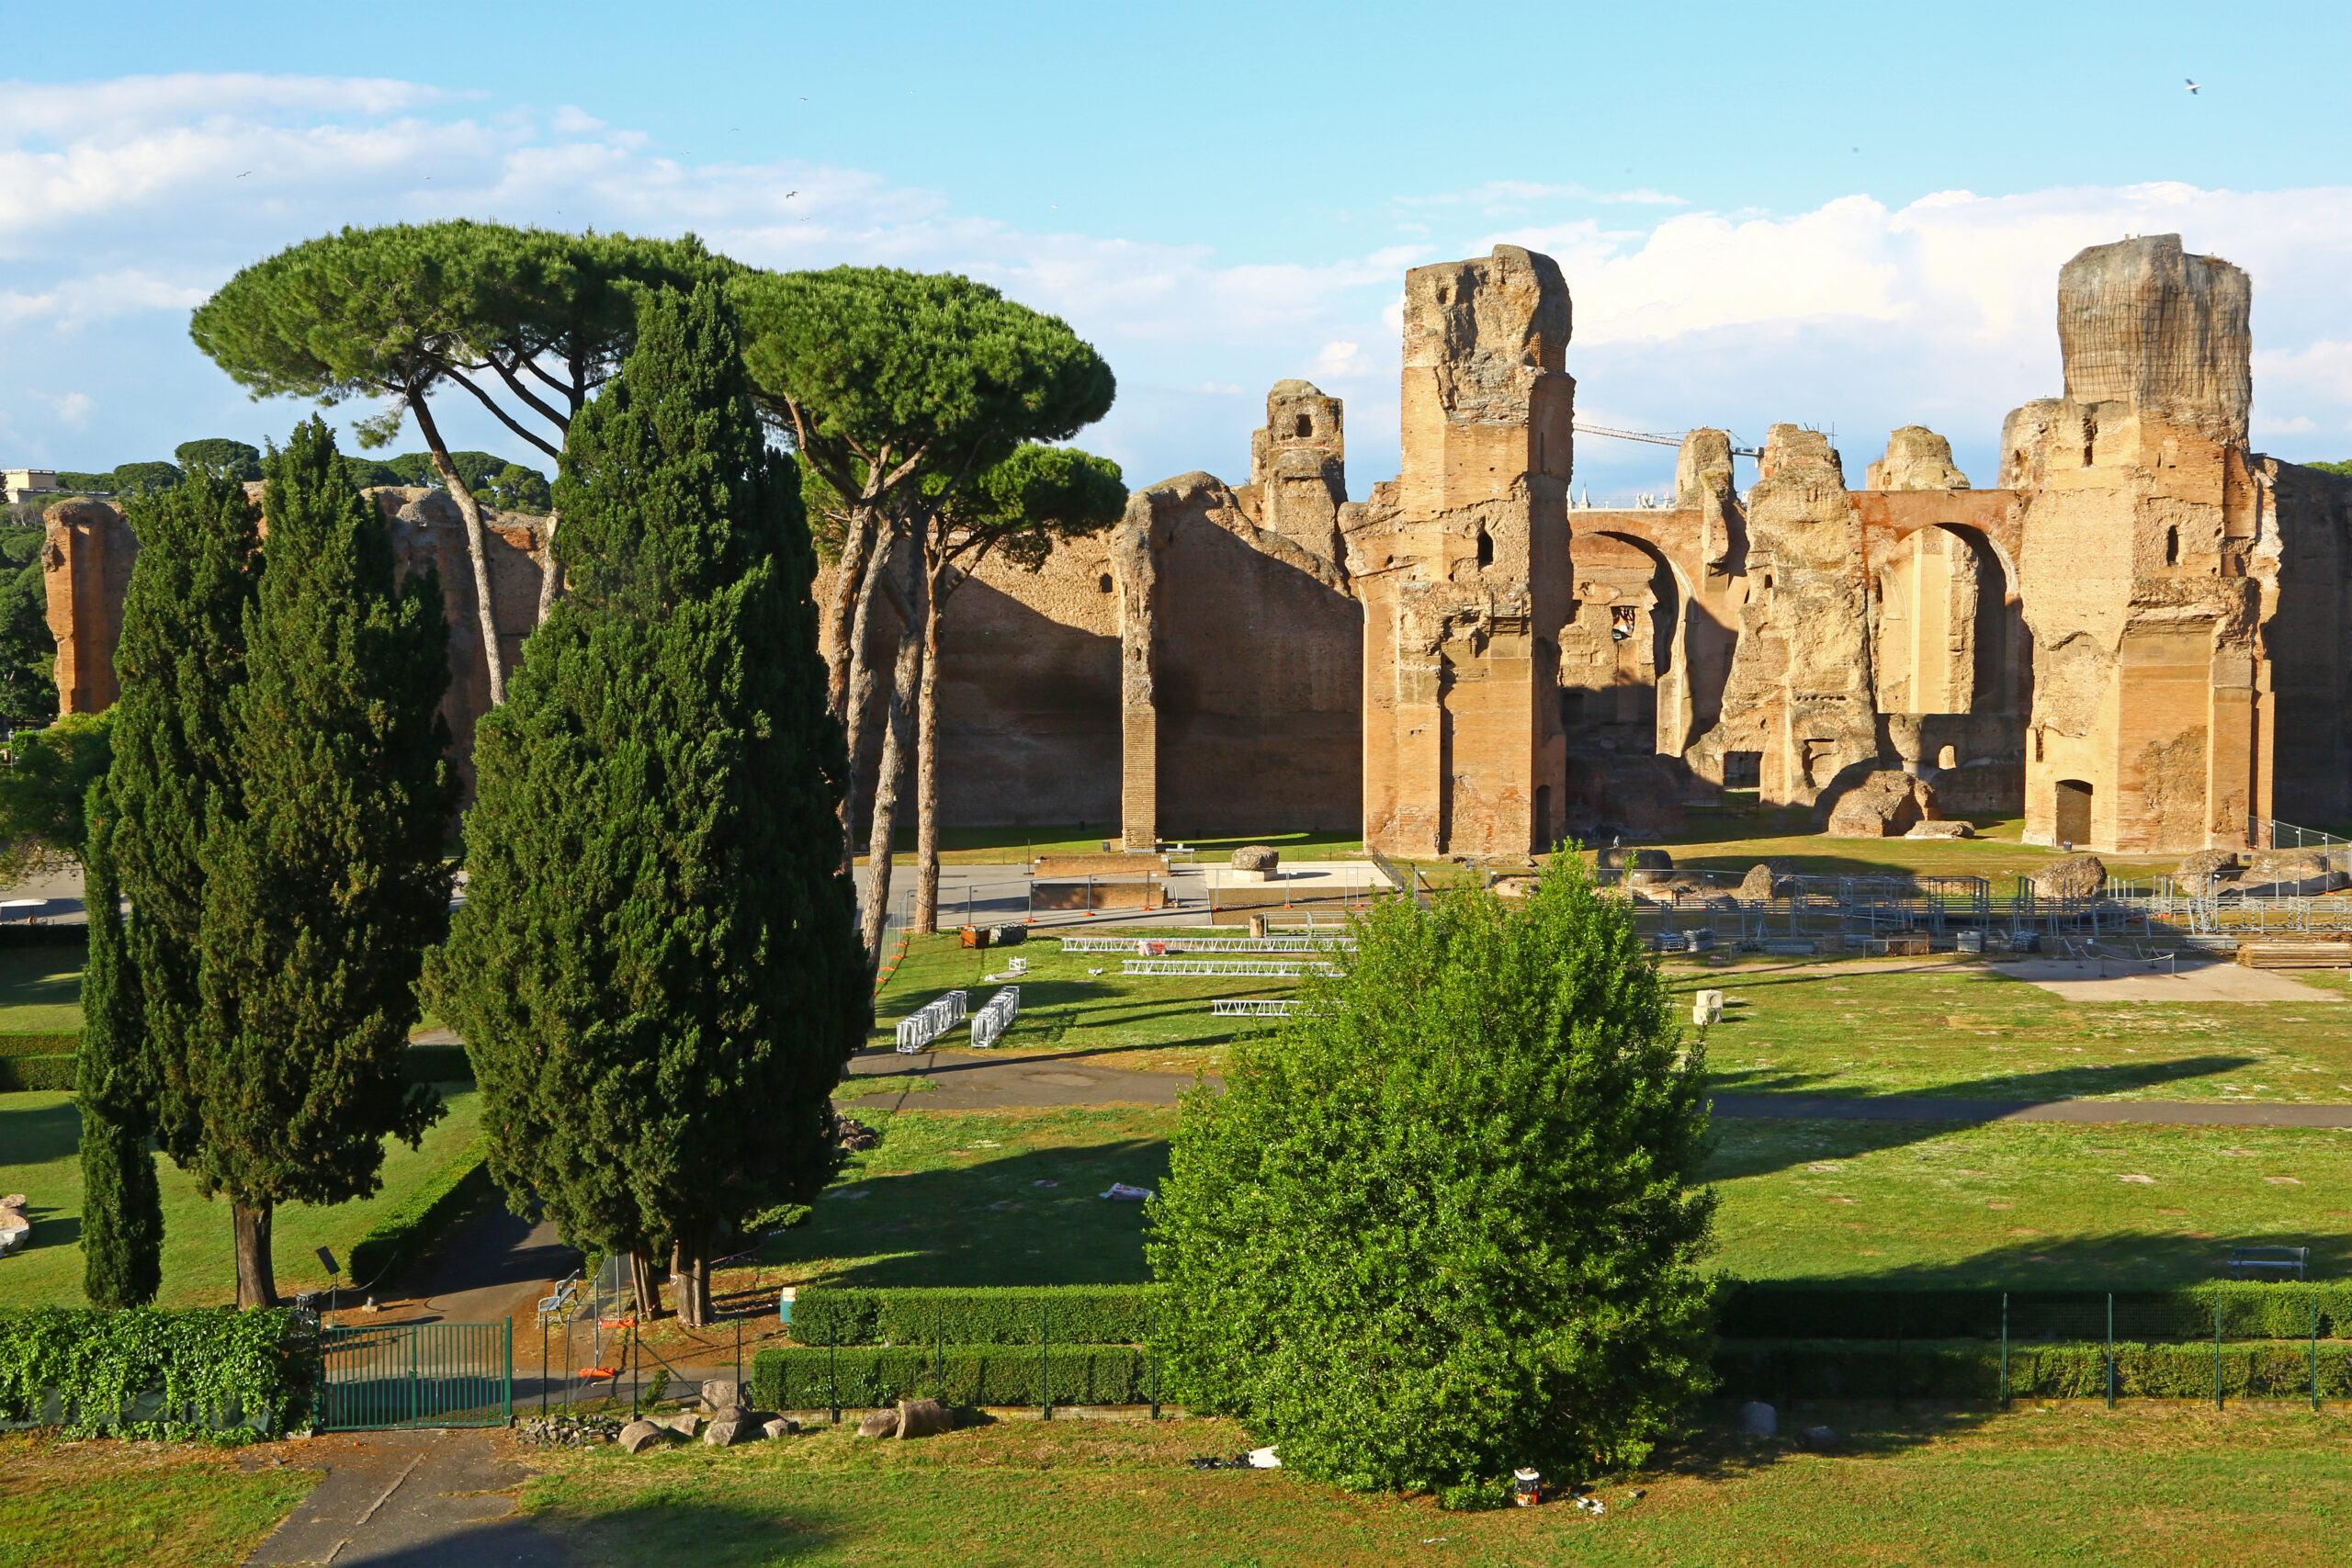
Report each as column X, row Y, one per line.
column 1620, row 622
column 1743, row 769
column 1304, row 427
column 1486, row 548
column 1543, row 818
column 2172, row 546
column 1103, row 583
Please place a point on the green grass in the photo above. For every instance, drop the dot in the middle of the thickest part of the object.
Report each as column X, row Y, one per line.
column 953, row 1200
column 39, row 1134
column 963, row 1199
column 2145, row 1484
column 159, row 1505
column 1969, row 1031
column 1152, row 1024
column 41, row 989
column 1010, row 846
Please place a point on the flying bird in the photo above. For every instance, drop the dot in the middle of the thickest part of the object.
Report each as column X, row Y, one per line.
column 2192, row 84
column 247, row 172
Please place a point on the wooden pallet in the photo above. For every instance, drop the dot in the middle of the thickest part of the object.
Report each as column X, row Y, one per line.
column 2317, row 954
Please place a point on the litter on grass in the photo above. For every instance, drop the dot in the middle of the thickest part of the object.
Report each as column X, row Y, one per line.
column 1121, row 1192
column 1264, row 1459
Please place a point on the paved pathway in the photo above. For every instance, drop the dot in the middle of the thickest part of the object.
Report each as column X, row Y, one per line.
column 406, row 1500
column 2152, row 1112
column 971, row 1082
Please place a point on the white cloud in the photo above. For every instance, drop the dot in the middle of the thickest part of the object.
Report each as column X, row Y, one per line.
column 73, row 408
column 123, row 203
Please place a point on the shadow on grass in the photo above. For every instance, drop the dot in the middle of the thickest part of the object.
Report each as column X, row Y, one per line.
column 1712, row 1448
column 1029, row 1218
column 2022, row 1088
column 2111, row 1260
column 38, row 1134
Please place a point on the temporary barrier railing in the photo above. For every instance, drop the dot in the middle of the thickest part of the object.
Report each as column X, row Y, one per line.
column 990, row 1023
column 1247, row 1007
column 1264, row 968
column 1206, row 942
column 935, row 1017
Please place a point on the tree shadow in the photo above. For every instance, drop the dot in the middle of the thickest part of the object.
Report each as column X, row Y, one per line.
column 1973, row 1101
column 1034, row 1217
column 1710, row 1446
column 36, row 1134
column 2118, row 1260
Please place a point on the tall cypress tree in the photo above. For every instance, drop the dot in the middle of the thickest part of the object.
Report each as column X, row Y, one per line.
column 656, row 970
column 326, row 883
column 181, row 653
column 122, row 1213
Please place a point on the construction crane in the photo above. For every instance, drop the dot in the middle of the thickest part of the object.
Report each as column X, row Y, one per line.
column 1653, row 437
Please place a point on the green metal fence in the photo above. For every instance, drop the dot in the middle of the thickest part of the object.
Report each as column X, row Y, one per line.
column 416, row 1374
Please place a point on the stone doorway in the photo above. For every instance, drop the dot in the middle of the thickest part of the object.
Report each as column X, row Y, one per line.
column 2073, row 813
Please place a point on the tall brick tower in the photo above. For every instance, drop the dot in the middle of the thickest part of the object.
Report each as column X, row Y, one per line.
column 1465, row 573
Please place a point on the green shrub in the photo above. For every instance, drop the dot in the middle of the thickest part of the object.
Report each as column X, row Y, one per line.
column 421, row 1218
column 1971, row 1370
column 1074, row 1314
column 1448, row 1220
column 807, row 1378
column 64, row 1043
column 2250, row 1308
column 144, row 1373
column 19, row 1073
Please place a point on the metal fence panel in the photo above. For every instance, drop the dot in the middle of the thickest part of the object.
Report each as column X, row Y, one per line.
column 416, row 1374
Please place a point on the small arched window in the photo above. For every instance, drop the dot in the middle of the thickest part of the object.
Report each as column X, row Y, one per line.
column 1486, row 548
column 1304, row 427
column 2172, row 546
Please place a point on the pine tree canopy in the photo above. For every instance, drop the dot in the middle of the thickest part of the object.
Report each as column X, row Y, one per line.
column 325, row 883
column 655, row 970
column 876, row 369
column 1446, row 1221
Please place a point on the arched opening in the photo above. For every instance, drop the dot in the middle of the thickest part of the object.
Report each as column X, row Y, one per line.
column 1486, row 548
column 2172, row 546
column 1947, row 636
column 1622, row 655
column 2072, row 816
column 1303, row 427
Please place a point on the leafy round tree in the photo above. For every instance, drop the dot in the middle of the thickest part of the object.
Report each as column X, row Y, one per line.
column 233, row 458
column 122, row 1213
column 326, row 883
column 1446, row 1222
column 655, row 971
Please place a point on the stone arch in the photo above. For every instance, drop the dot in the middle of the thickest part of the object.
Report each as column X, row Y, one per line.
column 1624, row 660
column 1951, row 634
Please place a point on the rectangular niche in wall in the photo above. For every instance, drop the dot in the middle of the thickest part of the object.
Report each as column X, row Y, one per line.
column 1743, row 769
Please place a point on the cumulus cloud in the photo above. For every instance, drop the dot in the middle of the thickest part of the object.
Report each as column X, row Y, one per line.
column 123, row 203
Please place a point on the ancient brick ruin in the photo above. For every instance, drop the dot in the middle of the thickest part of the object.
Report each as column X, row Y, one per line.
column 2138, row 639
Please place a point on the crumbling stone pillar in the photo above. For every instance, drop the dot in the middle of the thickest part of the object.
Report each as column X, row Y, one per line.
column 86, row 566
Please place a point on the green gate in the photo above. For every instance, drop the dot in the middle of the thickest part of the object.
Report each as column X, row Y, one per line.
column 416, row 1374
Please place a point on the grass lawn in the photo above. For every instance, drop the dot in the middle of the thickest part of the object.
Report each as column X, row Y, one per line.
column 959, row 1199
column 41, row 989
column 2142, row 1485
column 1968, row 1031
column 38, row 1135
column 156, row 1504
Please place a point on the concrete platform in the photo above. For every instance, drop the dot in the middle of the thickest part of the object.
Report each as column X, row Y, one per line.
column 2201, row 980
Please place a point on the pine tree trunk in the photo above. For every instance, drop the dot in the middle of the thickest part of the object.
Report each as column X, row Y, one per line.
column 897, row 751
column 477, row 548
column 690, row 1279
column 860, row 697
column 642, row 1284
column 257, row 1272
column 550, row 575
column 926, row 914
column 840, row 647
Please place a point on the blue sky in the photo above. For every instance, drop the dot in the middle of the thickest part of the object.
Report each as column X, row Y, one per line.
column 1847, row 216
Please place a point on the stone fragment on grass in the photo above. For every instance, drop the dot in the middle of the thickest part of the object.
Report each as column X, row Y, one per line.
column 2075, row 876
column 1821, row 1439
column 878, row 1424
column 923, row 1417
column 719, row 1392
column 640, row 1436
column 781, row 1426
column 1758, row 1419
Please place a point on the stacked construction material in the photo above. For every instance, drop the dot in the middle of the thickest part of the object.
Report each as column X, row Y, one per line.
column 918, row 1029
column 992, row 1020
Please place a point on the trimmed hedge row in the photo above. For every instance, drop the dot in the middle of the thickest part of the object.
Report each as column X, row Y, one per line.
column 147, row 1372
column 1072, row 1315
column 2250, row 1308
column 19, row 934
column 46, row 1061
column 1842, row 1369
column 18, row 1074
column 421, row 1218
column 61, row 1043
column 809, row 1378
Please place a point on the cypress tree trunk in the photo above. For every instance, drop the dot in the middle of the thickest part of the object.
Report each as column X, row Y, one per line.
column 911, row 601
column 647, row 1289
column 257, row 1270
column 122, row 1215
